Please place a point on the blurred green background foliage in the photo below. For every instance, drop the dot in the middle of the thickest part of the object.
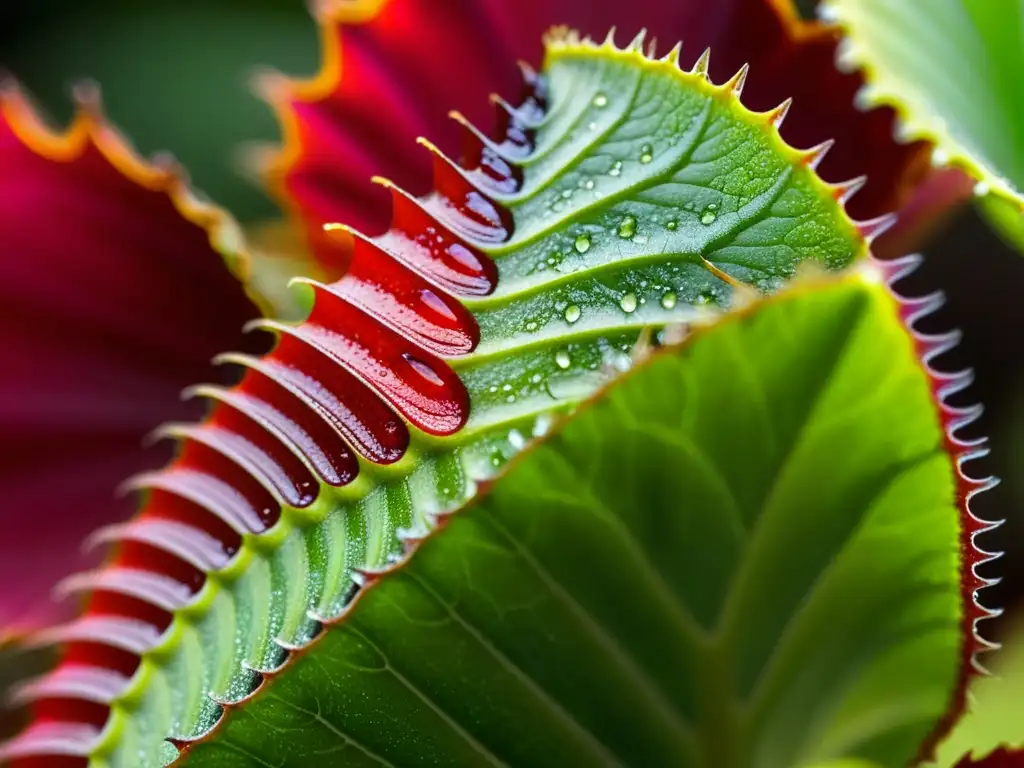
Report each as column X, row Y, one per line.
column 175, row 74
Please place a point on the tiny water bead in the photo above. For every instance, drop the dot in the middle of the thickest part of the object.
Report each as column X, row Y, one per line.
column 628, row 302
column 668, row 301
column 572, row 313
column 582, row 243
column 562, row 359
column 627, row 227
column 646, row 153
column 516, row 439
column 709, row 215
column 600, row 100
column 616, row 169
column 672, row 225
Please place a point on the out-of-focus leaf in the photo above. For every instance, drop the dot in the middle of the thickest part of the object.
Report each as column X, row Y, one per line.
column 175, row 74
column 951, row 69
column 116, row 289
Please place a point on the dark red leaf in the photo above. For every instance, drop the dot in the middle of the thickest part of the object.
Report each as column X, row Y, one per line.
column 114, row 295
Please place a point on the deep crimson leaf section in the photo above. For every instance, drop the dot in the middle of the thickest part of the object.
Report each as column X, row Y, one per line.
column 112, row 299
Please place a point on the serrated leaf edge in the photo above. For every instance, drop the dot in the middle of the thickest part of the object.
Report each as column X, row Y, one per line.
column 877, row 91
column 961, row 452
column 90, row 127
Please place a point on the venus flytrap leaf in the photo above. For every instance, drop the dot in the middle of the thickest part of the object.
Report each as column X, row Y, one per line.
column 624, row 202
column 692, row 570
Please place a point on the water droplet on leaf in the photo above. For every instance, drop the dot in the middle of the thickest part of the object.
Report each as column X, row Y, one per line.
column 627, row 227
column 583, row 243
column 562, row 359
column 572, row 313
column 628, row 302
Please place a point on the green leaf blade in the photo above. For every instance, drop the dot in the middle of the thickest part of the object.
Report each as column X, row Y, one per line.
column 606, row 603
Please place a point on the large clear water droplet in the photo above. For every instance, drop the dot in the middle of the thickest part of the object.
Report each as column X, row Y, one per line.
column 668, row 301
column 562, row 359
column 572, row 313
column 582, row 243
column 600, row 100
column 628, row 302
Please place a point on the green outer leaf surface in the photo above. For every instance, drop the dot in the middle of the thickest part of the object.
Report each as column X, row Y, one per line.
column 743, row 553
column 647, row 185
column 951, row 69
